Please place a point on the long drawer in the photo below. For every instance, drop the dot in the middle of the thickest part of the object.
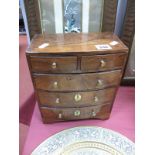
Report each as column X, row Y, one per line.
column 77, row 82
column 62, row 114
column 76, row 99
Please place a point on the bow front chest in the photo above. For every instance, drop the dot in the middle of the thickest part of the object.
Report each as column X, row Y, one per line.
column 76, row 76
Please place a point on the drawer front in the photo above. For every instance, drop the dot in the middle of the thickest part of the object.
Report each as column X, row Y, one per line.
column 54, row 64
column 77, row 82
column 102, row 62
column 50, row 115
column 76, row 99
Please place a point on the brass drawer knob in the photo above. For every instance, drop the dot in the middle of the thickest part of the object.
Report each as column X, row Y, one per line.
column 55, row 84
column 77, row 113
column 102, row 63
column 99, row 82
column 77, row 97
column 54, row 65
column 57, row 100
column 93, row 113
column 96, row 99
column 60, row 115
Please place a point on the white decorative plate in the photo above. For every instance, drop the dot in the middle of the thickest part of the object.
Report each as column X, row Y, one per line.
column 86, row 140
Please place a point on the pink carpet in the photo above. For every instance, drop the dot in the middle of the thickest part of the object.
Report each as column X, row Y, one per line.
column 122, row 120
column 26, row 91
column 26, row 94
column 23, row 129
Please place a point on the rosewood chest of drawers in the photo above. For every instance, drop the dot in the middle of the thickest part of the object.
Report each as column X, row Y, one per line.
column 76, row 76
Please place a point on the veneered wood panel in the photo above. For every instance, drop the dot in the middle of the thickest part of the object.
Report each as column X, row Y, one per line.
column 53, row 114
column 102, row 62
column 77, row 82
column 54, row 64
column 91, row 98
column 75, row 43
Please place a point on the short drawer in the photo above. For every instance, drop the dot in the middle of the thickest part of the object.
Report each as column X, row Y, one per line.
column 50, row 115
column 54, row 64
column 77, row 82
column 102, row 62
column 76, row 99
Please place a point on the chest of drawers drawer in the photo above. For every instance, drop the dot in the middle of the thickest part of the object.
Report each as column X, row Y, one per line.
column 77, row 82
column 97, row 63
column 73, row 79
column 76, row 99
column 54, row 64
column 64, row 114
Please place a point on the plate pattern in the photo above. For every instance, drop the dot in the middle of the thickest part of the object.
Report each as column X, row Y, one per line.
column 58, row 144
column 90, row 148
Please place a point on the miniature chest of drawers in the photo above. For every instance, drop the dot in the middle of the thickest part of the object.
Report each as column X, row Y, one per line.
column 76, row 76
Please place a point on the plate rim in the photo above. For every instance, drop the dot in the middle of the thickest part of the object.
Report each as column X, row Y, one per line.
column 84, row 126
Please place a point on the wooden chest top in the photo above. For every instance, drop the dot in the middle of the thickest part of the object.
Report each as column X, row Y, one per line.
column 76, row 43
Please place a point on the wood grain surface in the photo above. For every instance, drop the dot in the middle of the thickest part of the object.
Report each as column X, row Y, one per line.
column 75, row 43
column 102, row 62
column 129, row 24
column 109, row 15
column 54, row 64
column 51, row 115
column 33, row 17
column 77, row 82
column 128, row 33
column 60, row 99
